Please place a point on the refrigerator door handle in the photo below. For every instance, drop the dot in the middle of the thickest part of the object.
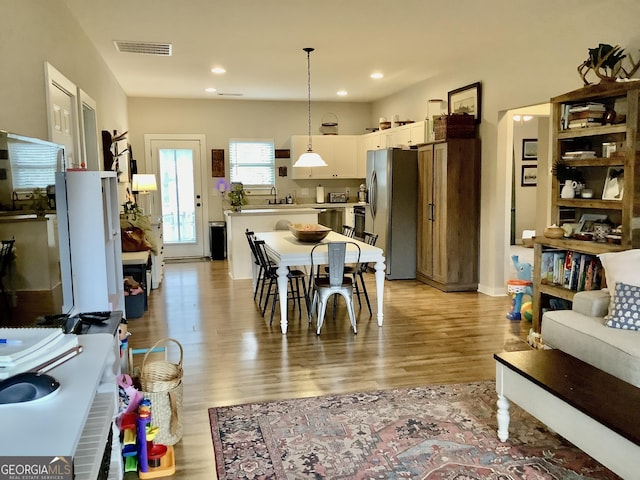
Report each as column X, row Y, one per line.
column 373, row 193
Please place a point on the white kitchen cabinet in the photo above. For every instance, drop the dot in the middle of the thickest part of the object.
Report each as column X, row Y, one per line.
column 338, row 151
column 370, row 141
column 90, row 242
column 408, row 135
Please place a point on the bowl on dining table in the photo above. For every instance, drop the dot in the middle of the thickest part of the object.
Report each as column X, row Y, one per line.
column 309, row 232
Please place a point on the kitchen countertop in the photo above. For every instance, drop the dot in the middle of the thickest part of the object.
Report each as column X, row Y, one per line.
column 304, row 205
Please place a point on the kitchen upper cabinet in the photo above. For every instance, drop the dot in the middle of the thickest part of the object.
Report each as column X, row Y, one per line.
column 340, row 152
column 449, row 214
column 370, row 141
column 408, row 135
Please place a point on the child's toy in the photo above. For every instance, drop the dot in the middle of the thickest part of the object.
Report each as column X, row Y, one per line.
column 517, row 289
column 520, row 287
column 526, row 312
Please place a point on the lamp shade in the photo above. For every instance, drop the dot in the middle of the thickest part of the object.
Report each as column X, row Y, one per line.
column 310, row 159
column 144, row 182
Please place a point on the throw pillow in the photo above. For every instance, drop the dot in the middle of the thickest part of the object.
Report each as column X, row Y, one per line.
column 626, row 308
column 620, row 267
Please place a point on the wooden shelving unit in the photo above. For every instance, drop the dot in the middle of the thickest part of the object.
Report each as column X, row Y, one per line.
column 623, row 98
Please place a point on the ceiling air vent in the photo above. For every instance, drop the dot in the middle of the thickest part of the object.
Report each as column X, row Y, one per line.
column 144, row 48
column 229, row 94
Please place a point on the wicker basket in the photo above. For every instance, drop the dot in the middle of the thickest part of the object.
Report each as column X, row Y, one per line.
column 454, row 126
column 161, row 376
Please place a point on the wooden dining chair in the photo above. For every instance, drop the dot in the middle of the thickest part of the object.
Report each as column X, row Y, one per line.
column 6, row 254
column 335, row 283
column 251, row 238
column 294, row 292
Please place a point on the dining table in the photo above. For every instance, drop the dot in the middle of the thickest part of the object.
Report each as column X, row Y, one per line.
column 286, row 251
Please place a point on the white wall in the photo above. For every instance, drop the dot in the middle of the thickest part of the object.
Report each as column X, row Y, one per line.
column 35, row 31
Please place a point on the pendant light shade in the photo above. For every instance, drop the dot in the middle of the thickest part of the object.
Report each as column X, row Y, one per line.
column 309, row 158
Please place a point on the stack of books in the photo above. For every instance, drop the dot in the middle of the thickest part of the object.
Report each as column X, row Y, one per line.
column 584, row 115
column 34, row 350
column 579, row 154
column 571, row 270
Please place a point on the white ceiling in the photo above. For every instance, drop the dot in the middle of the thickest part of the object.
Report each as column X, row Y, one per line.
column 260, row 42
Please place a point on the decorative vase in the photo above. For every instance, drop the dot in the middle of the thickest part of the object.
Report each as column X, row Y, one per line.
column 569, row 189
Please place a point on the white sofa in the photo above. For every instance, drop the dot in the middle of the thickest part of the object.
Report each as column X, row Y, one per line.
column 582, row 332
column 599, row 330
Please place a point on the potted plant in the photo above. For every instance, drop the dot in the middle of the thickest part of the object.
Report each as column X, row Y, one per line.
column 237, row 196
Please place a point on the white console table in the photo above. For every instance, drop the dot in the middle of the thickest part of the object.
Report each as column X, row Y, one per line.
column 68, row 422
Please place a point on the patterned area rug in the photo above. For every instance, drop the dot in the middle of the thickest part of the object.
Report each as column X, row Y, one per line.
column 437, row 432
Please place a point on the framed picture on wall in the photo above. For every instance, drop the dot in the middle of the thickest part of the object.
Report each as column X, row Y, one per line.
column 529, row 149
column 529, row 176
column 466, row 99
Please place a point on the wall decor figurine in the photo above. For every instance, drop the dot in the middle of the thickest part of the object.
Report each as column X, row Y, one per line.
column 606, row 62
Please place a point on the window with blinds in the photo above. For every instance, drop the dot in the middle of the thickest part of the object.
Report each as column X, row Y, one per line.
column 252, row 162
column 33, row 165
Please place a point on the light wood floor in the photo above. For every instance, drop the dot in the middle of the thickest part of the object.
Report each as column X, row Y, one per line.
column 232, row 355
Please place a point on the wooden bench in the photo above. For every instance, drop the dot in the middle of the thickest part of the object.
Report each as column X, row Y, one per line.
column 595, row 411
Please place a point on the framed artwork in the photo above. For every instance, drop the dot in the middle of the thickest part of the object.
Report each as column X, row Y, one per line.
column 529, row 176
column 529, row 149
column 613, row 184
column 467, row 100
column 217, row 162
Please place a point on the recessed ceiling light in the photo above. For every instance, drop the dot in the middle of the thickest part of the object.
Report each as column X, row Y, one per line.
column 341, row 93
column 218, row 70
column 210, row 90
column 377, row 75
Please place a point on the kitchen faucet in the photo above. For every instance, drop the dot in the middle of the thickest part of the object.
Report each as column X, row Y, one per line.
column 274, row 192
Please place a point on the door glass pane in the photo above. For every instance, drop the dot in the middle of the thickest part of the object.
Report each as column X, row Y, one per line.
column 178, row 204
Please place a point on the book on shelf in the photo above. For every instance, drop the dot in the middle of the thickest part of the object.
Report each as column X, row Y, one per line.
column 587, row 107
column 558, row 266
column 575, row 155
column 585, row 115
column 585, row 123
column 549, row 265
column 566, row 276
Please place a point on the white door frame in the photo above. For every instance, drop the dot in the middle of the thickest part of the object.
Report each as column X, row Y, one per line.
column 152, row 166
column 55, row 79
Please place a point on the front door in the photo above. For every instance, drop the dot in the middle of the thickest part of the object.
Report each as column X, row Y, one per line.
column 180, row 201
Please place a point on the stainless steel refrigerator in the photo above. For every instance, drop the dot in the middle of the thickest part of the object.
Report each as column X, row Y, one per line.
column 392, row 182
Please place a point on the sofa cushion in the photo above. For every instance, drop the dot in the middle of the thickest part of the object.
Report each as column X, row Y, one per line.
column 626, row 308
column 612, row 350
column 621, row 267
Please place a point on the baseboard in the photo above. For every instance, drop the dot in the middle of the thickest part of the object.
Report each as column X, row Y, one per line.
column 492, row 292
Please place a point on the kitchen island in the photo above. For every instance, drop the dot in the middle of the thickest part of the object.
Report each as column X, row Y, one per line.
column 256, row 220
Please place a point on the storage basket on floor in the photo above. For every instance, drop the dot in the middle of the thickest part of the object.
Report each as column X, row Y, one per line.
column 161, row 382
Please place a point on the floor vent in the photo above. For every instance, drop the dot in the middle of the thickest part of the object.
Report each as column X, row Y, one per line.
column 144, row 48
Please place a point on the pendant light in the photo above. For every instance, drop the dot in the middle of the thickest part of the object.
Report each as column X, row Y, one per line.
column 309, row 158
